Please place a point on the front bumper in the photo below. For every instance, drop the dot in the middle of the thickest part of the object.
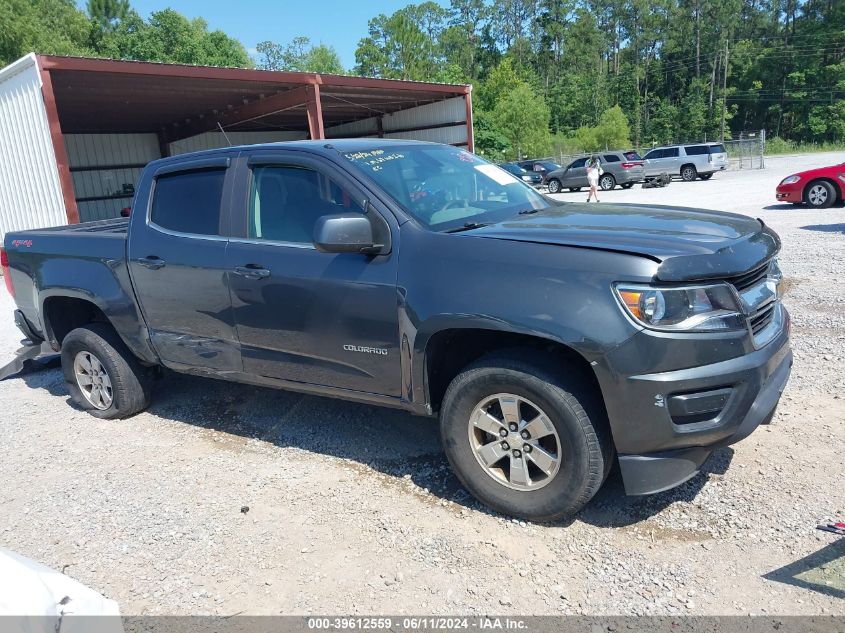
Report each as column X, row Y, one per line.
column 789, row 194
column 666, row 424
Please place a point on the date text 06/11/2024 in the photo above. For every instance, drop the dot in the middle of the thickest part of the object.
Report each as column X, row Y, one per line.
column 415, row 623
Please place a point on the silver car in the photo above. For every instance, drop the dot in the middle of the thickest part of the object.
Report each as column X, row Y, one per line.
column 620, row 168
column 696, row 160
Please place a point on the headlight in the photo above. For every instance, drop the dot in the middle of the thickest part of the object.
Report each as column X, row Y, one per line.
column 527, row 178
column 790, row 180
column 687, row 309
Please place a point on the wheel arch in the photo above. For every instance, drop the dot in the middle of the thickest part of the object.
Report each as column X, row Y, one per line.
column 449, row 350
column 836, row 188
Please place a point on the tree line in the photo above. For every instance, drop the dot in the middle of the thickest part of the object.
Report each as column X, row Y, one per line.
column 571, row 74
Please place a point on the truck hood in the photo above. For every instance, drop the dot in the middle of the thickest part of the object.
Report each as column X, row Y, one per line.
column 687, row 243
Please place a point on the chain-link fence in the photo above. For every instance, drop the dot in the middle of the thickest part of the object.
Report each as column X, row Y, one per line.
column 744, row 152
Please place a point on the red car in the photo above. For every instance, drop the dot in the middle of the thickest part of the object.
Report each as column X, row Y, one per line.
column 818, row 188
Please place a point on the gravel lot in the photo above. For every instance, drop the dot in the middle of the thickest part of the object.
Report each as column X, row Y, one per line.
column 352, row 509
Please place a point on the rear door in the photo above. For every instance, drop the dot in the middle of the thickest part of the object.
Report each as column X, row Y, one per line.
column 672, row 160
column 177, row 261
column 302, row 315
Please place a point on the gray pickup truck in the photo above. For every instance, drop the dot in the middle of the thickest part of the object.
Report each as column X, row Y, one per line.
column 552, row 339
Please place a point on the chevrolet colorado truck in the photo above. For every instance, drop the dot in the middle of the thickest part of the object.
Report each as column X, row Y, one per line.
column 552, row 339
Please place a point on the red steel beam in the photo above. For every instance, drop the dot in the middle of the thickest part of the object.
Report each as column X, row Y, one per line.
column 52, row 62
column 315, row 113
column 65, row 179
column 255, row 110
column 470, row 132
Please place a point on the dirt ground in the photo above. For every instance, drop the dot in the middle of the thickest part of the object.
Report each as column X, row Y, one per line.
column 352, row 509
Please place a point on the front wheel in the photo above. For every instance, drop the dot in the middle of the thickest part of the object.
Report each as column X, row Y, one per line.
column 607, row 182
column 554, row 185
column 102, row 375
column 819, row 194
column 689, row 173
column 520, row 440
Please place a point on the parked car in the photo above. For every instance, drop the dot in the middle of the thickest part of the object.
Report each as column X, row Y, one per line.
column 698, row 160
column 620, row 168
column 819, row 188
column 542, row 167
column 552, row 339
column 531, row 177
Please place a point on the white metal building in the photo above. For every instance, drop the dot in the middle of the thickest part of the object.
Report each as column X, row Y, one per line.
column 76, row 132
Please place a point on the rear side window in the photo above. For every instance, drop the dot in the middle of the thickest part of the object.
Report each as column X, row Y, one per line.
column 189, row 202
column 696, row 150
column 610, row 158
column 717, row 149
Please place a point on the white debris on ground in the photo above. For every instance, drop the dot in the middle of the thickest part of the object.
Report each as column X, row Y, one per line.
column 352, row 509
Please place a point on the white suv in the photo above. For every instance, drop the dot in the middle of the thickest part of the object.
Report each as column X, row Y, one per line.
column 700, row 160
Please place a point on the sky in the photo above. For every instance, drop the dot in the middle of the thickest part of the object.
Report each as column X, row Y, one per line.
column 338, row 23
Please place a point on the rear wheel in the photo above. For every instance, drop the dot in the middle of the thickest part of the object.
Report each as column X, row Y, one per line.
column 819, row 194
column 706, row 176
column 519, row 438
column 607, row 182
column 554, row 185
column 102, row 375
column 689, row 173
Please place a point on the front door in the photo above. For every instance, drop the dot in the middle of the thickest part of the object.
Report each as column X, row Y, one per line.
column 576, row 174
column 177, row 263
column 302, row 315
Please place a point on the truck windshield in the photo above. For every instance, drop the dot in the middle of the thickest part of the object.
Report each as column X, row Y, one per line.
column 446, row 187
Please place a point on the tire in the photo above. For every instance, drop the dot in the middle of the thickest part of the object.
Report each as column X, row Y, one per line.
column 126, row 384
column 689, row 173
column 607, row 182
column 583, row 448
column 819, row 194
column 627, row 185
column 554, row 185
column 575, row 189
column 706, row 176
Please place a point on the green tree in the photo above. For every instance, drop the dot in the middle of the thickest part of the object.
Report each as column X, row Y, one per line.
column 107, row 14
column 53, row 27
column 299, row 56
column 168, row 36
column 522, row 117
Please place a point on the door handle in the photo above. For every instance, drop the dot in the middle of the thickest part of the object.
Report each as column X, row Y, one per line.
column 252, row 271
column 152, row 262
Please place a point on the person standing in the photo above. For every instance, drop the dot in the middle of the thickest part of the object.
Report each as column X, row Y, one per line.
column 593, row 172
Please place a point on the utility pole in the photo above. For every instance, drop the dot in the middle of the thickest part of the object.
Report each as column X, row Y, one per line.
column 724, row 91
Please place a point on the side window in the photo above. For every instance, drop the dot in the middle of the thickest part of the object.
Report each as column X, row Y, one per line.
column 655, row 153
column 610, row 158
column 671, row 152
column 285, row 202
column 189, row 202
column 578, row 163
column 696, row 150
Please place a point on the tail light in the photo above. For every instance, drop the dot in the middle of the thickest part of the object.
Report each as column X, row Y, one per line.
column 631, row 164
column 4, row 263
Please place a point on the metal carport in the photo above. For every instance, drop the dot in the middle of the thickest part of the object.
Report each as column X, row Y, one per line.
column 86, row 127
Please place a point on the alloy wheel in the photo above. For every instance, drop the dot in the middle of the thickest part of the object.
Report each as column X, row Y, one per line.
column 93, row 380
column 514, row 441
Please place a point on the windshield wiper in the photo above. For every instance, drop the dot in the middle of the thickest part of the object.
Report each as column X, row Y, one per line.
column 467, row 227
column 528, row 211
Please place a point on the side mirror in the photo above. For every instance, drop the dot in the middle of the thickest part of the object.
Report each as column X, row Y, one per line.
column 345, row 233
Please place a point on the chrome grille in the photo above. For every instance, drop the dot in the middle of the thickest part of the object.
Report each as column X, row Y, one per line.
column 760, row 319
column 747, row 280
